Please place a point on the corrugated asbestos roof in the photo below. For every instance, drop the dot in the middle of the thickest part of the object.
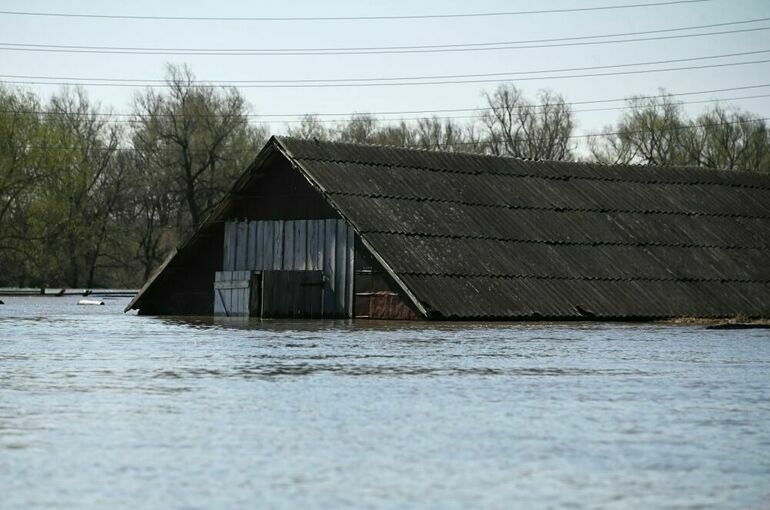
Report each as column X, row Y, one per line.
column 491, row 237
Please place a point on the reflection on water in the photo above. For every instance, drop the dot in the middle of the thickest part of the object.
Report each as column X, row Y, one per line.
column 104, row 410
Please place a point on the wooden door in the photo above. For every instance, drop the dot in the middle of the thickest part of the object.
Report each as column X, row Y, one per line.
column 255, row 295
column 292, row 294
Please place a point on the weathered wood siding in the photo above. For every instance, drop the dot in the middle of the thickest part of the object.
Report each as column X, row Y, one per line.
column 325, row 245
column 292, row 294
column 231, row 293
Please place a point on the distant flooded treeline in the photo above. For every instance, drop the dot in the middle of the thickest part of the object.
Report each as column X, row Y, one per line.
column 94, row 198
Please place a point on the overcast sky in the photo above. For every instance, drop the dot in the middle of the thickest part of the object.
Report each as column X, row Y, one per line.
column 16, row 29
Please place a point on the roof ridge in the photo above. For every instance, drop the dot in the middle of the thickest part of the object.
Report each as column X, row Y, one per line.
column 651, row 180
column 401, row 147
column 517, row 158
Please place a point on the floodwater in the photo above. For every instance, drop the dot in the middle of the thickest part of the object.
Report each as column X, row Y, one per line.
column 101, row 410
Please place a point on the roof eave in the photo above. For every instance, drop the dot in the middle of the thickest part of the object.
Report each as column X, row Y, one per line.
column 219, row 211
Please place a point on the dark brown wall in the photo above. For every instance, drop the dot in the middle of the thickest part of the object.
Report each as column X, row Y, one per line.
column 377, row 296
column 186, row 287
column 281, row 193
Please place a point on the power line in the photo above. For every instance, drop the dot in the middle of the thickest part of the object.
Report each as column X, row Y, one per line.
column 429, row 46
column 343, row 119
column 584, row 110
column 382, row 81
column 617, row 133
column 349, row 18
column 414, row 112
column 487, row 142
column 486, row 46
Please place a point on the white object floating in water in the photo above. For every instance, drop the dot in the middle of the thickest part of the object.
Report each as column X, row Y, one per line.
column 90, row 302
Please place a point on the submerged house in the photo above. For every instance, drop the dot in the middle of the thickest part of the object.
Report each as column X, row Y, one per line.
column 321, row 229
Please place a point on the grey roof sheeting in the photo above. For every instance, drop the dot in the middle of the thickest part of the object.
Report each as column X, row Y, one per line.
column 476, row 237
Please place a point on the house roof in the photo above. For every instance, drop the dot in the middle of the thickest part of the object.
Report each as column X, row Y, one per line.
column 482, row 237
column 473, row 236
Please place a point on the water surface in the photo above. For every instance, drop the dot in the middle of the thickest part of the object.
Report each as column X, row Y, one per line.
column 104, row 410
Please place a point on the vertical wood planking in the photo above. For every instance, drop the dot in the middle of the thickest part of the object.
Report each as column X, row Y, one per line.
column 218, row 309
column 232, row 292
column 218, row 306
column 312, row 245
column 259, row 241
column 300, row 245
column 255, row 295
column 350, row 271
column 251, row 256
column 288, row 245
column 242, row 245
column 340, row 267
column 320, row 263
column 258, row 245
column 233, row 240
column 320, row 244
column 293, row 245
column 267, row 245
column 227, row 254
column 229, row 248
column 278, row 227
column 329, row 266
column 265, row 249
column 225, row 246
column 242, row 302
column 233, row 301
column 267, row 295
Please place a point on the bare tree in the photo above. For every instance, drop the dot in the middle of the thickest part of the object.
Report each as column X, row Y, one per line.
column 360, row 128
column 517, row 127
column 310, row 127
column 434, row 134
column 397, row 135
column 727, row 139
column 650, row 133
column 656, row 131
